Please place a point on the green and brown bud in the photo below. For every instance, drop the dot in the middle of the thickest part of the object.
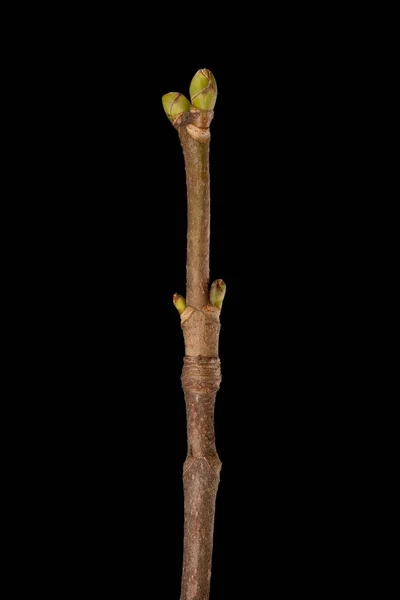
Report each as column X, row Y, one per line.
column 203, row 90
column 180, row 303
column 175, row 104
column 217, row 293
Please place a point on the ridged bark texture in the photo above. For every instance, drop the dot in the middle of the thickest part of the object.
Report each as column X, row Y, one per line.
column 200, row 381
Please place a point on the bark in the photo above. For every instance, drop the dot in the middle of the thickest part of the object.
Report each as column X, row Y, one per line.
column 200, row 380
column 201, row 374
column 198, row 235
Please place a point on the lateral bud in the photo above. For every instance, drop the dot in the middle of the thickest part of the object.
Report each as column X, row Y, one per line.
column 175, row 104
column 217, row 293
column 179, row 302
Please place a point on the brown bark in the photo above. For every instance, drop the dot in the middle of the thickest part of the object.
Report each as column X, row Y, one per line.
column 201, row 371
column 198, row 235
column 200, row 381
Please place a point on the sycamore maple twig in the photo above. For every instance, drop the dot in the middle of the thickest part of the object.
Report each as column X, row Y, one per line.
column 200, row 314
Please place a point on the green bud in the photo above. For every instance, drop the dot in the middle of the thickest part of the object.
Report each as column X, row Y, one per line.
column 175, row 104
column 203, row 90
column 217, row 293
column 180, row 303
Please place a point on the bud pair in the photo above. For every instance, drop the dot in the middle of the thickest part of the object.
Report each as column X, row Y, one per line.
column 203, row 93
column 217, row 294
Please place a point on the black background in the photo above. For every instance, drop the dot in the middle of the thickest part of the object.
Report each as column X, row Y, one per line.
column 113, row 242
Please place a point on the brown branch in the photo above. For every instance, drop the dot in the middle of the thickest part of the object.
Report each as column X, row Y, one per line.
column 200, row 381
column 201, row 371
column 200, row 323
column 195, row 140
